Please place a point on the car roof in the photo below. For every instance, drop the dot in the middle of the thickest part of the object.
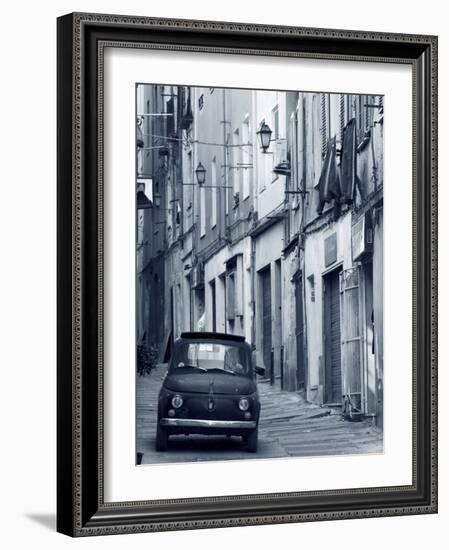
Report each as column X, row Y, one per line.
column 212, row 336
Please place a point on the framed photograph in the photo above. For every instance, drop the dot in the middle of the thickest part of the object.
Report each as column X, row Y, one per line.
column 247, row 277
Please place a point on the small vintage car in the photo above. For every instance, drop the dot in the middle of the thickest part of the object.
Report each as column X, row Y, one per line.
column 210, row 389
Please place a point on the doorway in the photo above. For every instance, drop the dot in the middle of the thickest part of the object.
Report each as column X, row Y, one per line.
column 299, row 333
column 332, row 338
column 265, row 286
column 214, row 305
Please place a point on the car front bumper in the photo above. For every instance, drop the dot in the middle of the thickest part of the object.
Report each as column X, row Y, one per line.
column 200, row 423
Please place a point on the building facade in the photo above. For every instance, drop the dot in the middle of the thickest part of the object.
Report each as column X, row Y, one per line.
column 282, row 244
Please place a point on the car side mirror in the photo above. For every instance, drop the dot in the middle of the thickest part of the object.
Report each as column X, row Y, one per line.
column 259, row 370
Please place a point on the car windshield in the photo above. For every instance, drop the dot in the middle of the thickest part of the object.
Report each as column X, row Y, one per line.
column 211, row 356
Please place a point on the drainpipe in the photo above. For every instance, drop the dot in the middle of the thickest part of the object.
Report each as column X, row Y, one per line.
column 373, row 154
column 193, row 304
column 180, row 204
column 301, row 228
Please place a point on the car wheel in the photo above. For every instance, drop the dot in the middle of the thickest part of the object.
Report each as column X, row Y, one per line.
column 251, row 441
column 161, row 439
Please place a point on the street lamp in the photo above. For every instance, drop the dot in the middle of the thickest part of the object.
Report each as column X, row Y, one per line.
column 264, row 134
column 200, row 174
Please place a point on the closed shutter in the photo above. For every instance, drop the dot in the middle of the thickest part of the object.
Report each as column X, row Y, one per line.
column 368, row 111
column 359, row 118
column 343, row 114
column 324, row 125
column 351, row 340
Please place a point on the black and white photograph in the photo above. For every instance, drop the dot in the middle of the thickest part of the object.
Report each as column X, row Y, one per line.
column 215, row 332
column 259, row 273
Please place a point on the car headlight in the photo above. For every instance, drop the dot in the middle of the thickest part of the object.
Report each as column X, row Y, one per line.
column 243, row 404
column 177, row 401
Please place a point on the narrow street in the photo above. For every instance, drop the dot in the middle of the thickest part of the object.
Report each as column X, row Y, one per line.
column 288, row 427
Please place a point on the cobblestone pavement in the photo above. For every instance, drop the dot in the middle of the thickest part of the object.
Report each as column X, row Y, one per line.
column 288, row 426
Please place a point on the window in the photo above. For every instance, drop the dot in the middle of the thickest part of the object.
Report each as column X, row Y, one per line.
column 230, row 296
column 202, row 211
column 234, row 289
column 211, row 355
column 333, row 118
column 364, row 115
column 275, row 136
column 246, row 157
column 279, row 145
column 213, row 170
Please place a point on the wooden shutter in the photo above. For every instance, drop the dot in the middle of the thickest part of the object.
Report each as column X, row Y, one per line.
column 351, row 339
column 342, row 115
column 381, row 104
column 324, row 125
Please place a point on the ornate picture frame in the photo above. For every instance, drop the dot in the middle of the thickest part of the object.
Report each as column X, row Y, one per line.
column 81, row 507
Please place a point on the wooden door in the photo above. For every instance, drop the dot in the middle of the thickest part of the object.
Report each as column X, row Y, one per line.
column 332, row 338
column 266, row 317
column 299, row 333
